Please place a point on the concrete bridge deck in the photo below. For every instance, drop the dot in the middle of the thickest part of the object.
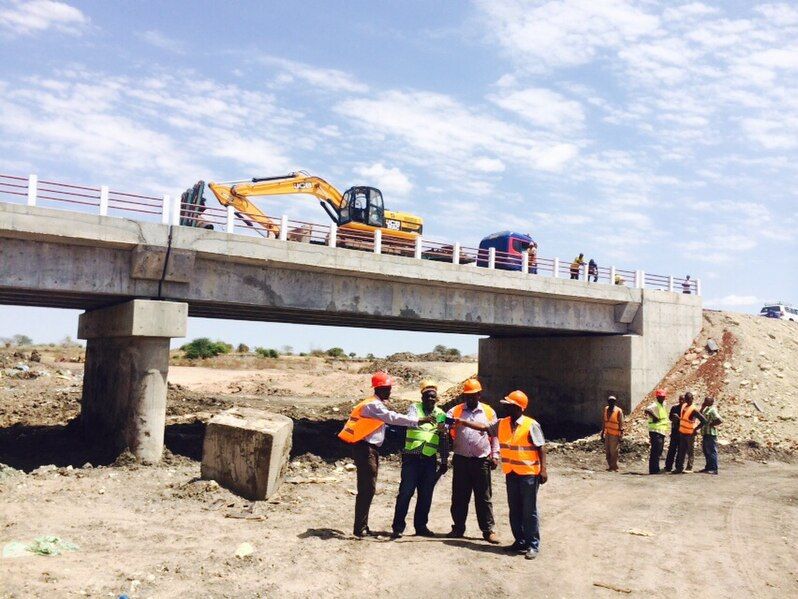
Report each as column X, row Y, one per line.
column 568, row 343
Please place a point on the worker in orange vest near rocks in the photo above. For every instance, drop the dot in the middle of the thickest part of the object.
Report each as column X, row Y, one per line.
column 476, row 455
column 523, row 458
column 612, row 432
column 687, row 429
column 365, row 431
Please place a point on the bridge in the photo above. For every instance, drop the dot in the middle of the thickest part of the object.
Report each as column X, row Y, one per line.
column 568, row 342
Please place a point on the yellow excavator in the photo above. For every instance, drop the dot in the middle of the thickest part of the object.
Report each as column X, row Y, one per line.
column 358, row 211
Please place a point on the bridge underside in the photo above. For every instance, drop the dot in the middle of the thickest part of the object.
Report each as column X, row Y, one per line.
column 568, row 343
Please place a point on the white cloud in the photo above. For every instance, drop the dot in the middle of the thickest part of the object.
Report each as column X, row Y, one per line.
column 162, row 41
column 484, row 164
column 26, row 17
column 565, row 32
column 315, row 77
column 542, row 108
column 391, row 181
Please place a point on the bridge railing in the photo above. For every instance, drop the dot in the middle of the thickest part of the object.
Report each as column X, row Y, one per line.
column 101, row 200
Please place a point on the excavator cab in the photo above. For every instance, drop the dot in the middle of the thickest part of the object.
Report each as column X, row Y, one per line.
column 362, row 205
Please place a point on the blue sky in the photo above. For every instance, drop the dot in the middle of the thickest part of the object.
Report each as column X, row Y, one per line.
column 653, row 135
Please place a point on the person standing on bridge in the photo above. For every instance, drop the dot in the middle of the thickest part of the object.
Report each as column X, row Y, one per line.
column 532, row 251
column 476, row 454
column 592, row 270
column 365, row 431
column 523, row 457
column 687, row 429
column 687, row 285
column 576, row 266
column 612, row 432
column 673, row 444
column 420, row 470
column 657, row 429
column 710, row 435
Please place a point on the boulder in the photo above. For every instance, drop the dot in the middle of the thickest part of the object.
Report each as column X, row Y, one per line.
column 246, row 450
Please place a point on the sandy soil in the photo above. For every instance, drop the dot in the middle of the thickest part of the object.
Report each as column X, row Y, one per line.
column 157, row 532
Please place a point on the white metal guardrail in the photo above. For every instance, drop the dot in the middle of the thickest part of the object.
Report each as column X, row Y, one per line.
column 106, row 202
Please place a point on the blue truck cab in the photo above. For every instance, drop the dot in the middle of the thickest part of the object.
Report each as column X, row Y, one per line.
column 509, row 248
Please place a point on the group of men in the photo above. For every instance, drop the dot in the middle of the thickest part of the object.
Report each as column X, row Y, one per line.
column 683, row 422
column 480, row 442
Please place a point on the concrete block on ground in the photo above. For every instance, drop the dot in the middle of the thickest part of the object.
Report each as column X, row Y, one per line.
column 246, row 450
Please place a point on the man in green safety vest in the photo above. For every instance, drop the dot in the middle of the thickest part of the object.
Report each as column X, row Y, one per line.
column 420, row 469
column 658, row 427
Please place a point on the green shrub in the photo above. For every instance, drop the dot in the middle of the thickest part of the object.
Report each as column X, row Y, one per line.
column 336, row 352
column 264, row 352
column 242, row 348
column 203, row 347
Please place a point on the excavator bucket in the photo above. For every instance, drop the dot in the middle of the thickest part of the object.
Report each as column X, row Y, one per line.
column 192, row 205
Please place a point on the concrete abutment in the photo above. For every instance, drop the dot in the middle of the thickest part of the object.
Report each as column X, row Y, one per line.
column 124, row 385
column 569, row 378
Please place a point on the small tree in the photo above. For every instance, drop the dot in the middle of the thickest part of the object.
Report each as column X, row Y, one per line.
column 352, row 355
column 370, row 356
column 264, row 352
column 203, row 347
column 453, row 351
column 439, row 349
column 287, row 350
column 242, row 348
column 22, row 340
column 336, row 352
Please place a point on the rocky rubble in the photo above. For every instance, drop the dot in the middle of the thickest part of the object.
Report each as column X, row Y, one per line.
column 753, row 375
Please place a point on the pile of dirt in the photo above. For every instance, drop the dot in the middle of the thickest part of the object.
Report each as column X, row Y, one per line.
column 403, row 372
column 429, row 357
column 750, row 365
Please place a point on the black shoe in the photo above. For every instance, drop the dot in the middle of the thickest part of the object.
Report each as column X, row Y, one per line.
column 516, row 547
column 425, row 532
column 362, row 533
column 678, row 472
column 455, row 534
column 396, row 535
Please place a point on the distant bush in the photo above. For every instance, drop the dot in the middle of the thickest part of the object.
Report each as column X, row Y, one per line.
column 287, row 350
column 264, row 352
column 370, row 356
column 203, row 347
column 442, row 350
column 352, row 354
column 302, row 354
column 21, row 340
column 242, row 348
column 318, row 353
column 336, row 352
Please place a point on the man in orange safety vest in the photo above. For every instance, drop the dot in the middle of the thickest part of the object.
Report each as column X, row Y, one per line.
column 612, row 432
column 365, row 431
column 523, row 458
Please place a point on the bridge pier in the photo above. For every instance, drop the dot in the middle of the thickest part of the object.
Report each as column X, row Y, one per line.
column 569, row 377
column 124, row 383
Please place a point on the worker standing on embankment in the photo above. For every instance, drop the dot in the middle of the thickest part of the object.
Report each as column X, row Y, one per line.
column 365, row 431
column 523, row 457
column 420, row 470
column 658, row 427
column 612, row 432
column 476, row 454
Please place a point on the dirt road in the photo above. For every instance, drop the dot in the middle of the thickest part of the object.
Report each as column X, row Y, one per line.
column 152, row 532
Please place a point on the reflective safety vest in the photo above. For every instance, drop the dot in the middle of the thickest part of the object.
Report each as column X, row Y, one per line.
column 612, row 425
column 686, row 426
column 517, row 452
column 357, row 427
column 424, row 439
column 457, row 412
column 661, row 425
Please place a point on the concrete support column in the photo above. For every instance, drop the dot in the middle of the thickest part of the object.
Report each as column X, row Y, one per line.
column 124, row 383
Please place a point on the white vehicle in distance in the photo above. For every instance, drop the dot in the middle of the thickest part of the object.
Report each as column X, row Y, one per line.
column 780, row 310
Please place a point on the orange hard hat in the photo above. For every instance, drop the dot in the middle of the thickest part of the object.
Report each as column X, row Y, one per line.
column 660, row 393
column 381, row 379
column 517, row 398
column 472, row 386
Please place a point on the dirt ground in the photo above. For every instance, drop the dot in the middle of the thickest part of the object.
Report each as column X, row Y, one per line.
column 161, row 532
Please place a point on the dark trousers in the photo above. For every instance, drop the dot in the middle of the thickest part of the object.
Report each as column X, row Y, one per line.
column 471, row 475
column 710, row 446
column 367, row 461
column 657, row 443
column 522, row 499
column 418, row 474
column 673, row 445
column 686, row 449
